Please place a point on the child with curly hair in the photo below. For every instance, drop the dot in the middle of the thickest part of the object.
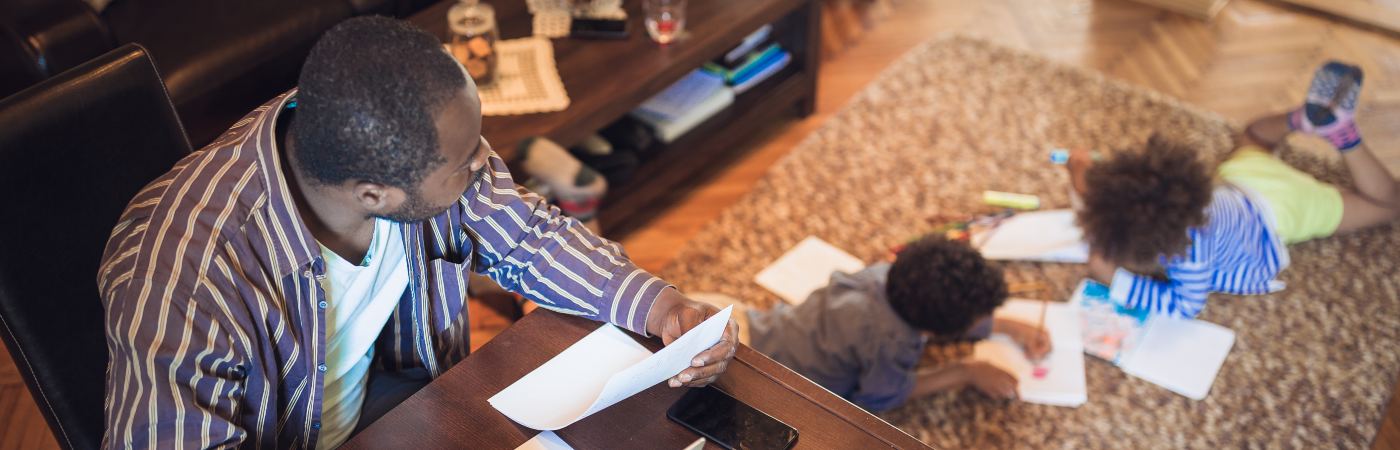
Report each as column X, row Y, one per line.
column 1164, row 232
column 863, row 335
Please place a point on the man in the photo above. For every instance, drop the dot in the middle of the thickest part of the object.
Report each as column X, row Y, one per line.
column 300, row 275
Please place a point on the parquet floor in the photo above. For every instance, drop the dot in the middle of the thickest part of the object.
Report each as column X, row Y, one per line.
column 1255, row 57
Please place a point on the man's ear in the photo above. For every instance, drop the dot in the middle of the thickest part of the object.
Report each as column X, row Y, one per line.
column 375, row 198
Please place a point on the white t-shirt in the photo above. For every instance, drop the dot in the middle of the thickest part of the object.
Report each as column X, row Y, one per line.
column 360, row 299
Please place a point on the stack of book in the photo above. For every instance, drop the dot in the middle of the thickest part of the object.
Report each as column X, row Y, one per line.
column 685, row 104
column 711, row 88
column 755, row 59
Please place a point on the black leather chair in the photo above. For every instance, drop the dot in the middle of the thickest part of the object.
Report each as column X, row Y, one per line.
column 220, row 58
column 74, row 150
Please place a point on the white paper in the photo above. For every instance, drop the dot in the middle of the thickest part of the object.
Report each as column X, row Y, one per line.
column 546, row 440
column 806, row 268
column 1063, row 383
column 1183, row 356
column 1049, row 236
column 601, row 369
column 699, row 444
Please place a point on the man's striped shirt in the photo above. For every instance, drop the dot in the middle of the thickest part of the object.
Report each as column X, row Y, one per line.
column 216, row 321
column 1235, row 252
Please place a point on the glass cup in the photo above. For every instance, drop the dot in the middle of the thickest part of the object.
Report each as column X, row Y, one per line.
column 665, row 19
column 474, row 36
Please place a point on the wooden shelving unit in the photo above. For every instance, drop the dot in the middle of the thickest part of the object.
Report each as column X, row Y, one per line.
column 608, row 79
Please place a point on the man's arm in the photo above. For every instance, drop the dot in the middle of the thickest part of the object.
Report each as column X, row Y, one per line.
column 175, row 378
column 529, row 247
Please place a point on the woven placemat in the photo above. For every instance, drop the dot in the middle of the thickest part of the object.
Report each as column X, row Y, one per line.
column 526, row 80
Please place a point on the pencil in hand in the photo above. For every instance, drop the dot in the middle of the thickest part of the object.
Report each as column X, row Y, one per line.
column 1040, row 371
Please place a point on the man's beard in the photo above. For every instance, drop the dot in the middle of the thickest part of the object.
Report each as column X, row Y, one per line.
column 413, row 209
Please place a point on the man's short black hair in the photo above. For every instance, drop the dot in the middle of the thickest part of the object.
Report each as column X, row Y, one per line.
column 367, row 98
column 942, row 286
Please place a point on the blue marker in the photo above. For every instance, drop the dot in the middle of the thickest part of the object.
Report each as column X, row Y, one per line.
column 1060, row 156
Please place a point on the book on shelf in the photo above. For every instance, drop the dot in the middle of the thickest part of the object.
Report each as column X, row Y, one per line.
column 752, row 41
column 763, row 72
column 756, row 67
column 668, row 130
column 681, row 96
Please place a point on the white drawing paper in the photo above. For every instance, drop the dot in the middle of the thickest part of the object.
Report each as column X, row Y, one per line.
column 1183, row 356
column 806, row 268
column 1063, row 382
column 601, row 369
column 546, row 440
column 1049, row 236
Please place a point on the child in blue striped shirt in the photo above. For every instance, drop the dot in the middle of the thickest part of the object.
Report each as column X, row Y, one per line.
column 1164, row 233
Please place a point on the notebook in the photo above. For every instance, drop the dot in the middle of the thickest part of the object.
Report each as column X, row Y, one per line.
column 1062, row 382
column 682, row 96
column 1181, row 355
column 668, row 130
column 769, row 67
column 806, row 268
column 1049, row 236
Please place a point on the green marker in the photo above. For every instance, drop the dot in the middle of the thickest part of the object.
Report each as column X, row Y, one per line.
column 1011, row 200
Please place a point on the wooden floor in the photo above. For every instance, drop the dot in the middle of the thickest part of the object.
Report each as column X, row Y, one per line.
column 1255, row 57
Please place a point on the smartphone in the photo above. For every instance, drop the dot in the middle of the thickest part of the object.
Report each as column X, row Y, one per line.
column 730, row 423
column 598, row 28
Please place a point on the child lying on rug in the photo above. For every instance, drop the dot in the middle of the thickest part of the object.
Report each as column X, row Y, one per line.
column 1163, row 233
column 863, row 335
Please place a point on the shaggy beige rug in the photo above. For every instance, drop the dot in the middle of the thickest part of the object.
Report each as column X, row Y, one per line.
column 1313, row 365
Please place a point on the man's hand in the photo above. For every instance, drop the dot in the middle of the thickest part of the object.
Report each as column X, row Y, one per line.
column 1035, row 341
column 989, row 379
column 671, row 316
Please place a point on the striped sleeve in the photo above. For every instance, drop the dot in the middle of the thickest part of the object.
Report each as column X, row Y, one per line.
column 529, row 247
column 173, row 378
column 1182, row 294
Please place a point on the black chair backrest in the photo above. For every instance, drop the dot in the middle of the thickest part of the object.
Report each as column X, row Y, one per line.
column 74, row 150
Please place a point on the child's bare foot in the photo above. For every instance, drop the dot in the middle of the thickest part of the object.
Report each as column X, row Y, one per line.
column 1268, row 131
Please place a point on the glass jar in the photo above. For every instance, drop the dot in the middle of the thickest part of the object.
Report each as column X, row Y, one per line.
column 474, row 36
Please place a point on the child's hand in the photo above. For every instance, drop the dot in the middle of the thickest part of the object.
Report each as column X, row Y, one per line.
column 1034, row 341
column 990, row 379
column 1079, row 162
column 1100, row 268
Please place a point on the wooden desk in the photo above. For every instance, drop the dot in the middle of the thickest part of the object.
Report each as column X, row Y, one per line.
column 452, row 411
column 606, row 79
